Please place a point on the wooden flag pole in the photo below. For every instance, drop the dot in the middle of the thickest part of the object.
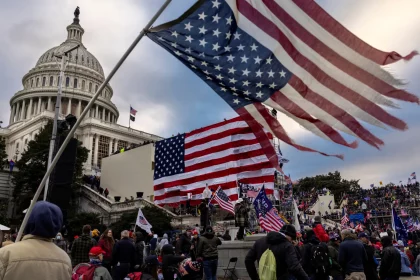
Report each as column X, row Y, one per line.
column 84, row 113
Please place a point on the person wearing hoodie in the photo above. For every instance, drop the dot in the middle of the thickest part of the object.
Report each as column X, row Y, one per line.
column 390, row 267
column 36, row 257
column 60, row 242
column 183, row 244
column 81, row 247
column 287, row 261
column 370, row 265
column 169, row 262
column 153, row 244
column 405, row 262
column 162, row 242
column 309, row 245
column 333, row 247
column 352, row 256
column 207, row 251
column 139, row 246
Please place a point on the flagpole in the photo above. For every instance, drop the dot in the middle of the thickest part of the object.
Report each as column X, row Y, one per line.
column 85, row 111
column 129, row 118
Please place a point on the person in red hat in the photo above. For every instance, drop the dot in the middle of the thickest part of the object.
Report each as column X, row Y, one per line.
column 93, row 269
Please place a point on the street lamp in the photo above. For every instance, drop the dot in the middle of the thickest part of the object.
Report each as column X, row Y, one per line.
column 57, row 111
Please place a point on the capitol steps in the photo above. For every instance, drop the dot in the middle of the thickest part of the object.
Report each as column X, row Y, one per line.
column 6, row 187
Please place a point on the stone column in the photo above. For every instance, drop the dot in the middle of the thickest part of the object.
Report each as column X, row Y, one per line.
column 12, row 113
column 95, row 154
column 17, row 112
column 89, row 147
column 79, row 108
column 38, row 111
column 49, row 104
column 29, row 114
column 69, row 107
column 110, row 147
column 103, row 113
column 97, row 112
column 115, row 144
column 22, row 114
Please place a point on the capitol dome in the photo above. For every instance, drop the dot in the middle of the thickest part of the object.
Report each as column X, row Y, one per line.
column 82, row 77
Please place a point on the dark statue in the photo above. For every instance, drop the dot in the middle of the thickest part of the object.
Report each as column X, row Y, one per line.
column 77, row 12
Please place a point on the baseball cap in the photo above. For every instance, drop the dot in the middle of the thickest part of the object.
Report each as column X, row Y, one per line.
column 363, row 234
column 95, row 251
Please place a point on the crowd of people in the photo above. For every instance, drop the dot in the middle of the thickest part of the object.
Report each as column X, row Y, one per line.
column 43, row 253
column 318, row 253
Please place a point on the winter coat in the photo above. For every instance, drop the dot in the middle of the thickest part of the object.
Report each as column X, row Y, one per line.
column 169, row 262
column 335, row 266
column 286, row 258
column 352, row 256
column 207, row 246
column 241, row 215
column 101, row 273
column 416, row 266
column 162, row 242
column 124, row 252
column 370, row 266
column 62, row 244
column 320, row 233
column 106, row 248
column 307, row 250
column 183, row 245
column 153, row 243
column 390, row 263
column 80, row 249
column 139, row 249
column 405, row 263
column 34, row 258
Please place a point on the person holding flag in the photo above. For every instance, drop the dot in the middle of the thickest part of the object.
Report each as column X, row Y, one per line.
column 241, row 217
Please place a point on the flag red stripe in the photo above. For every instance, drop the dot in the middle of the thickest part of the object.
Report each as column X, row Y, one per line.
column 219, row 124
column 262, row 137
column 313, row 10
column 229, row 132
column 224, row 205
column 295, row 110
column 216, row 174
column 335, row 111
column 280, row 132
column 224, row 186
column 360, row 101
column 222, row 147
column 334, row 58
column 229, row 158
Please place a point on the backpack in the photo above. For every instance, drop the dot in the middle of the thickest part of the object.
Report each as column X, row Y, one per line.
column 134, row 276
column 267, row 266
column 320, row 259
column 83, row 271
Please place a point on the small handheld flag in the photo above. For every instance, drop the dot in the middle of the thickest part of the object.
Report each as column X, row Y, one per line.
column 223, row 200
column 413, row 174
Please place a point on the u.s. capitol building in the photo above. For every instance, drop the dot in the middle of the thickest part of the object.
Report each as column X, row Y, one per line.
column 33, row 106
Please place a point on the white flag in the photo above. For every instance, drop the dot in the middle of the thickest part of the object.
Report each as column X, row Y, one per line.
column 142, row 222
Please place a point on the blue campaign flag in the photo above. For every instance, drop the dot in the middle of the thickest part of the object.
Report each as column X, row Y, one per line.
column 399, row 227
column 359, row 217
column 266, row 213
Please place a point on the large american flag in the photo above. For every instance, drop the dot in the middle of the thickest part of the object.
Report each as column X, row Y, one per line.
column 223, row 200
column 267, row 215
column 217, row 155
column 290, row 55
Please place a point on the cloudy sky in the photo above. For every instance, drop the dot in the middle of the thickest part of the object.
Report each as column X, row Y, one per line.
column 170, row 99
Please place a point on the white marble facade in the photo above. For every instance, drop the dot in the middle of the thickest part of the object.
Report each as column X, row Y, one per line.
column 34, row 105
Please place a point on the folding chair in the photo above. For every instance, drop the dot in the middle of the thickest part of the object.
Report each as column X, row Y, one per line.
column 231, row 269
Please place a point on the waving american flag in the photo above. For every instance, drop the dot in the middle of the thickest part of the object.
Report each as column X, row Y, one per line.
column 292, row 56
column 223, row 200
